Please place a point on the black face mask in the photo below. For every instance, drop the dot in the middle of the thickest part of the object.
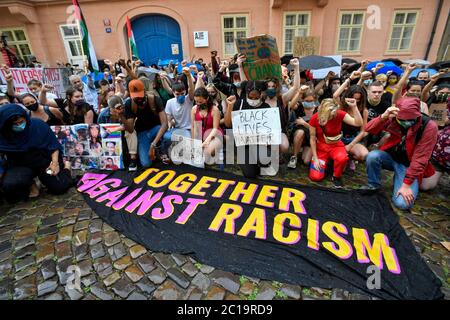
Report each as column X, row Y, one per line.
column 203, row 106
column 33, row 107
column 139, row 101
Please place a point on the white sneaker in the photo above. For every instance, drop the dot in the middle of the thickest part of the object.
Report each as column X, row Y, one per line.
column 268, row 171
column 292, row 163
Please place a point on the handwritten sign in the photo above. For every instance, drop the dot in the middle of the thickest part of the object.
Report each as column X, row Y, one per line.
column 187, row 150
column 258, row 126
column 306, row 46
column 58, row 77
column 438, row 113
column 263, row 59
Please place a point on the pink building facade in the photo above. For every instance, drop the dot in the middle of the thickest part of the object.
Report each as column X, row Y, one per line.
column 167, row 29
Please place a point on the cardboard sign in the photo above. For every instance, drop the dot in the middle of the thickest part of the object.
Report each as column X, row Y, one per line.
column 187, row 150
column 439, row 113
column 59, row 78
column 258, row 126
column 306, row 46
column 96, row 146
column 263, row 59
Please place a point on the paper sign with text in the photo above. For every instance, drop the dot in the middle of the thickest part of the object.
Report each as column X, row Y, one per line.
column 258, row 126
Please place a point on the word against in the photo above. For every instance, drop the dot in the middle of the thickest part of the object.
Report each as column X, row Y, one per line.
column 259, row 126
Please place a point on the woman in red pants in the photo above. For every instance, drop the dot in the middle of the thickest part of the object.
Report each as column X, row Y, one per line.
column 325, row 139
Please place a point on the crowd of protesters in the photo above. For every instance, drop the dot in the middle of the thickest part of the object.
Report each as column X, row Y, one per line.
column 328, row 125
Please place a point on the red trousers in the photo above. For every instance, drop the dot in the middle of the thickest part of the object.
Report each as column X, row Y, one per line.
column 325, row 152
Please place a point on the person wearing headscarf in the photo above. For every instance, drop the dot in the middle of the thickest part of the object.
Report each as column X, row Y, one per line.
column 31, row 150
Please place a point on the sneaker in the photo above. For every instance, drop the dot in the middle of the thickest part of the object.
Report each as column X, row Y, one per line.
column 338, row 184
column 132, row 166
column 293, row 162
column 268, row 171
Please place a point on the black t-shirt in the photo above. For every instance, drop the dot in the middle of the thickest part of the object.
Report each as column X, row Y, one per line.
column 375, row 111
column 77, row 119
column 146, row 117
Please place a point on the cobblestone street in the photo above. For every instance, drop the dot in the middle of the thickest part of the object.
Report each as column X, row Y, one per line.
column 41, row 239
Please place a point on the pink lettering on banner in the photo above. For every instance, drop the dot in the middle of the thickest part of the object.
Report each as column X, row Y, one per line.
column 89, row 180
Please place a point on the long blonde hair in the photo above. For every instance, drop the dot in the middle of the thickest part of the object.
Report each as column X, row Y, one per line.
column 327, row 110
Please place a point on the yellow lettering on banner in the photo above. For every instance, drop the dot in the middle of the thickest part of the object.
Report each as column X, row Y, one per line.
column 313, row 234
column 202, row 183
column 266, row 192
column 278, row 228
column 180, row 185
column 246, row 193
column 376, row 252
column 224, row 215
column 256, row 222
column 167, row 176
column 292, row 196
column 224, row 184
column 144, row 175
column 344, row 250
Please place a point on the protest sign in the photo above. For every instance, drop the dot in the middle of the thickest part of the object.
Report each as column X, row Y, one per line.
column 263, row 59
column 187, row 150
column 91, row 146
column 58, row 77
column 270, row 230
column 306, row 46
column 438, row 113
column 258, row 126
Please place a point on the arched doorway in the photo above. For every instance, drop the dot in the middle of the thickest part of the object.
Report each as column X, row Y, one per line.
column 156, row 36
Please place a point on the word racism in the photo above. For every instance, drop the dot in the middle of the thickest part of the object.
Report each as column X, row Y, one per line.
column 269, row 230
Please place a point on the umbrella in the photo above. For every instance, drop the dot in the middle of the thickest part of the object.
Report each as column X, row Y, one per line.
column 388, row 66
column 395, row 61
column 417, row 71
column 348, row 61
column 317, row 62
column 440, row 65
column 149, row 72
column 418, row 61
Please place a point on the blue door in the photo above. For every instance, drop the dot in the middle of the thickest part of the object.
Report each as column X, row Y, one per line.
column 155, row 35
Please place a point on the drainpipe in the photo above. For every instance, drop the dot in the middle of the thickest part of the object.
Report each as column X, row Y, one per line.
column 436, row 19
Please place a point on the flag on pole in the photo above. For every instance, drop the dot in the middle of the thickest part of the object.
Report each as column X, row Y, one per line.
column 131, row 41
column 88, row 48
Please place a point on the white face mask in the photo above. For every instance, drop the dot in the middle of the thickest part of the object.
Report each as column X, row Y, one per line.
column 254, row 103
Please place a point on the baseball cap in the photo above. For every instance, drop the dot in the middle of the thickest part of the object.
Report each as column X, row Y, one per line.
column 136, row 88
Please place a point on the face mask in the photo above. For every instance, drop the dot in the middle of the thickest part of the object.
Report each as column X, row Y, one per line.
column 392, row 81
column 271, row 92
column 413, row 95
column 79, row 103
column 203, row 106
column 254, row 103
column 368, row 82
column 335, row 87
column 33, row 107
column 20, row 127
column 442, row 97
column 181, row 99
column 405, row 124
column 237, row 84
column 309, row 105
column 212, row 95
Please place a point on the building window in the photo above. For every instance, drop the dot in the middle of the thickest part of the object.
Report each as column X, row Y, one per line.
column 402, row 30
column 18, row 41
column 233, row 27
column 72, row 43
column 296, row 24
column 350, row 31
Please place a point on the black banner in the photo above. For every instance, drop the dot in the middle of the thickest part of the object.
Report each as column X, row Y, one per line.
column 285, row 232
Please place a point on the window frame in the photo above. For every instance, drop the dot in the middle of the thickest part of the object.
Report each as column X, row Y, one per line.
column 234, row 29
column 71, row 38
column 296, row 27
column 403, row 25
column 351, row 26
column 19, row 42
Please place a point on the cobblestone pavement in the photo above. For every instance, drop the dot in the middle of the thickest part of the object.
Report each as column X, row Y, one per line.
column 40, row 240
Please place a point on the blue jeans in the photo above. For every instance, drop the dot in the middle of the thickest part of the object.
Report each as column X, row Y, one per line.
column 377, row 160
column 167, row 138
column 145, row 139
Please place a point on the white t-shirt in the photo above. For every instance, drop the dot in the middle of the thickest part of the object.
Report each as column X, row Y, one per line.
column 180, row 112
